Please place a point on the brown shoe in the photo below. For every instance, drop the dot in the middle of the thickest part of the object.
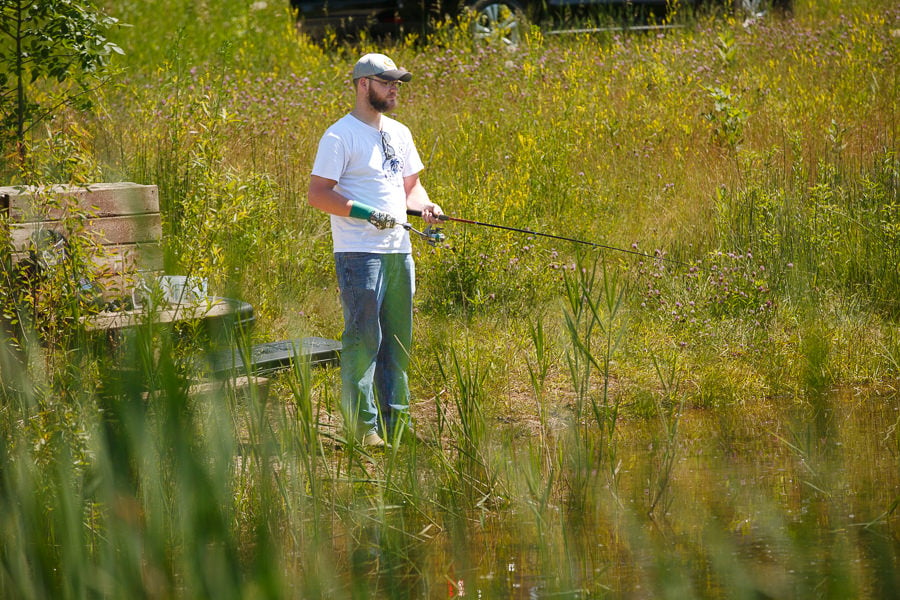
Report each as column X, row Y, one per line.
column 373, row 441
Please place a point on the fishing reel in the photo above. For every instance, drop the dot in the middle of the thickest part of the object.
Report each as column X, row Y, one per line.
column 432, row 235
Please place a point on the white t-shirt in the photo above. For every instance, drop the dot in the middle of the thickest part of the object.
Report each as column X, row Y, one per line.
column 369, row 166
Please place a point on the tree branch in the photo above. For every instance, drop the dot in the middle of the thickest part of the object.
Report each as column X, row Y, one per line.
column 67, row 100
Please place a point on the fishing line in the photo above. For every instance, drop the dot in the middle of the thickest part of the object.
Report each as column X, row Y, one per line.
column 418, row 213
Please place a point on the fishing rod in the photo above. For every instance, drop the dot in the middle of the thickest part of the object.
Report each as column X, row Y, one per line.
column 429, row 234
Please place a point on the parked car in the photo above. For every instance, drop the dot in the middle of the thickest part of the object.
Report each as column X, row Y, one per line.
column 502, row 20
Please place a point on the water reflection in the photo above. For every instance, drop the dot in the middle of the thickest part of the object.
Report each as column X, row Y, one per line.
column 764, row 502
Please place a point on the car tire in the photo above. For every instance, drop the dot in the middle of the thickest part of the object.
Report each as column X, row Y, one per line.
column 497, row 22
column 759, row 8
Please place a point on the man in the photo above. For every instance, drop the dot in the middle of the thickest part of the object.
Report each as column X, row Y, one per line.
column 366, row 176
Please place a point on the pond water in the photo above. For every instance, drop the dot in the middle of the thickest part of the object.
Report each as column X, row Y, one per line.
column 767, row 502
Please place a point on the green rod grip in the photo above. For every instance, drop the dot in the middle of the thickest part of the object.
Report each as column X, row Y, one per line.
column 358, row 210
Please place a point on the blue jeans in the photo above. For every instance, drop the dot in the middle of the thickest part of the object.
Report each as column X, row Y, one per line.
column 376, row 295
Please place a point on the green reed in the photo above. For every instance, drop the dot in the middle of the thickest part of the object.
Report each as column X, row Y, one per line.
column 172, row 491
column 466, row 421
column 669, row 404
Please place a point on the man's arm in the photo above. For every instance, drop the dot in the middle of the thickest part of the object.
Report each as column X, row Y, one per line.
column 321, row 195
column 417, row 199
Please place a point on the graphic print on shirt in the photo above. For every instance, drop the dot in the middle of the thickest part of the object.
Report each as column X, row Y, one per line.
column 393, row 163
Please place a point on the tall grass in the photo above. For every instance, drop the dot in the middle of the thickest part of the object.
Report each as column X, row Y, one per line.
column 717, row 418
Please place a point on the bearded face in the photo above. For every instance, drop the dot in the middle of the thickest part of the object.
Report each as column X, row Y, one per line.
column 382, row 97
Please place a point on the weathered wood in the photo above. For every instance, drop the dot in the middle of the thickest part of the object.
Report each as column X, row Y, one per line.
column 276, row 356
column 52, row 203
column 143, row 256
column 207, row 309
column 105, row 231
column 119, row 222
column 121, row 262
column 238, row 385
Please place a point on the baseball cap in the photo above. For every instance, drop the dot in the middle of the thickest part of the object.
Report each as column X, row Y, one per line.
column 379, row 65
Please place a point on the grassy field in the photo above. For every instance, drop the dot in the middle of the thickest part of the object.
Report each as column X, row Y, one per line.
column 712, row 414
